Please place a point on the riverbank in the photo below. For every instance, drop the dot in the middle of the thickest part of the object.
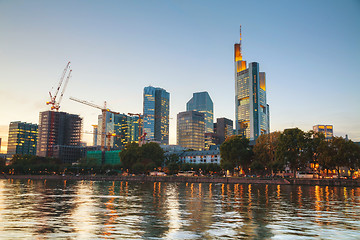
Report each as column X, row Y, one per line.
column 233, row 180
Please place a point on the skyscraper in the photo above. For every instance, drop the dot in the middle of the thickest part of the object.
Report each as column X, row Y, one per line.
column 191, row 130
column 58, row 128
column 22, row 138
column 252, row 117
column 224, row 129
column 202, row 102
column 124, row 129
column 156, row 114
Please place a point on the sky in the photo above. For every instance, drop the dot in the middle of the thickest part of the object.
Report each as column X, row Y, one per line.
column 310, row 51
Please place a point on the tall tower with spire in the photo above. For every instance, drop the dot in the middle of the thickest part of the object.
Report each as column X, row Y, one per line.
column 252, row 116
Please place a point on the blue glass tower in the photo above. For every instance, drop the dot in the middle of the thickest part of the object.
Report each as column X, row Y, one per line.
column 156, row 114
column 201, row 102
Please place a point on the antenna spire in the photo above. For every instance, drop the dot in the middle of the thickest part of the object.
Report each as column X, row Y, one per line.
column 240, row 39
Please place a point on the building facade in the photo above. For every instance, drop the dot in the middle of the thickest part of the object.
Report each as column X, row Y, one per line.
column 191, row 130
column 120, row 128
column 22, row 138
column 201, row 102
column 58, row 128
column 252, row 116
column 156, row 114
column 224, row 129
column 327, row 130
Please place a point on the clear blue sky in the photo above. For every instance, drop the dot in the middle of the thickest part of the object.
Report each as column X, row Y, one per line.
column 310, row 51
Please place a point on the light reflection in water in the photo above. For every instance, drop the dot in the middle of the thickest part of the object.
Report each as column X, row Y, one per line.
column 128, row 210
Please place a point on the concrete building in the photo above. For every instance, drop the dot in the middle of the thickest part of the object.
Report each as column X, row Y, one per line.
column 224, row 129
column 122, row 127
column 58, row 128
column 252, row 116
column 22, row 138
column 156, row 114
column 327, row 130
column 201, row 102
column 191, row 130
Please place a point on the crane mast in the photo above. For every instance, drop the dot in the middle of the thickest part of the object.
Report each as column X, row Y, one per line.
column 104, row 110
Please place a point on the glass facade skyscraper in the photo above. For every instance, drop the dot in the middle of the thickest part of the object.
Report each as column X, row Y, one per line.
column 156, row 114
column 22, row 138
column 202, row 102
column 191, row 130
column 252, row 117
column 124, row 128
column 327, row 130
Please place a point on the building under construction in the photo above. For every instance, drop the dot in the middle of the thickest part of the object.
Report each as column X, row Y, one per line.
column 59, row 129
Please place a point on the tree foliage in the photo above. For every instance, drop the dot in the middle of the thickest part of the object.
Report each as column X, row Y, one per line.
column 235, row 152
column 149, row 155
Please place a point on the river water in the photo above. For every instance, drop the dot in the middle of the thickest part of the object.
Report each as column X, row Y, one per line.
column 40, row 209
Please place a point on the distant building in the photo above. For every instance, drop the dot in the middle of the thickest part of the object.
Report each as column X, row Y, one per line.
column 196, row 157
column 252, row 116
column 156, row 114
column 95, row 135
column 327, row 130
column 211, row 139
column 201, row 102
column 122, row 128
column 191, row 130
column 224, row 129
column 59, row 128
column 22, row 138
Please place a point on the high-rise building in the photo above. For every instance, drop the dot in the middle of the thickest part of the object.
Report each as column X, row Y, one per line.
column 22, row 138
column 201, row 102
column 123, row 128
column 224, row 129
column 58, row 128
column 156, row 114
column 327, row 130
column 252, row 117
column 191, row 130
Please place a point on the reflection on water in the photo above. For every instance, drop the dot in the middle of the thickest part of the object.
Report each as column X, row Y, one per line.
column 31, row 209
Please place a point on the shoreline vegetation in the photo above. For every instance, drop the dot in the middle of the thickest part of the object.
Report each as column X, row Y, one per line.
column 193, row 179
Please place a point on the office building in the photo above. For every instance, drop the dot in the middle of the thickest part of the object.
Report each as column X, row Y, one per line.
column 120, row 130
column 327, row 130
column 59, row 128
column 156, row 114
column 224, row 129
column 201, row 102
column 252, row 117
column 22, row 138
column 191, row 130
column 211, row 139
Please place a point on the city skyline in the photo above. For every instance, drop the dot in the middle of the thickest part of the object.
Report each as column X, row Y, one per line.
column 102, row 42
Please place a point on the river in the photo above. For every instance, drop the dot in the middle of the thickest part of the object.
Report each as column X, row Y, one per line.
column 56, row 209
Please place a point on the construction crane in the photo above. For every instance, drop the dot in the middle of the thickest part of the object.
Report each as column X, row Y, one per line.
column 104, row 110
column 108, row 137
column 55, row 104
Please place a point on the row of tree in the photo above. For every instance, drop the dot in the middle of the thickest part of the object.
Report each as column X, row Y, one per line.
column 292, row 148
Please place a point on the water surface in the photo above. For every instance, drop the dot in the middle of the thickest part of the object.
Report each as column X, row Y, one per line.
column 40, row 209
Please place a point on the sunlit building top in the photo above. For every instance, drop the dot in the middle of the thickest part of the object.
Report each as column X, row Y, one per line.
column 327, row 130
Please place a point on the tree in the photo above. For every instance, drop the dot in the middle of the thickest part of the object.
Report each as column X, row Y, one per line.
column 152, row 152
column 338, row 153
column 291, row 149
column 129, row 155
column 264, row 152
column 235, row 152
